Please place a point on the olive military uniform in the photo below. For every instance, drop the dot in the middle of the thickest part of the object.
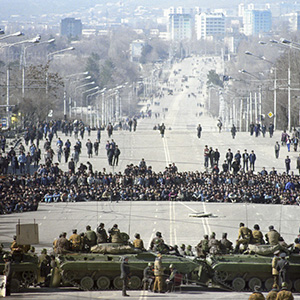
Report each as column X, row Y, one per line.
column 257, row 296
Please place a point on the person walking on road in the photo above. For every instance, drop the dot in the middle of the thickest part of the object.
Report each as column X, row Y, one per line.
column 287, row 164
column 89, row 147
column 252, row 159
column 162, row 129
column 117, row 153
column 199, row 130
column 298, row 163
column 277, row 149
column 125, row 275
column 233, row 131
column 229, row 158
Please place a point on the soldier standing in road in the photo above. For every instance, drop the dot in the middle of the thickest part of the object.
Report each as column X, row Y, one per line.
column 125, row 275
column 158, row 273
column 275, row 260
column 282, row 268
column 284, row 294
column 256, row 295
column 8, row 273
column 199, row 130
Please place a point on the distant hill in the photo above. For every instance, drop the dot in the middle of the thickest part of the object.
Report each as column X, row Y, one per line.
column 26, row 8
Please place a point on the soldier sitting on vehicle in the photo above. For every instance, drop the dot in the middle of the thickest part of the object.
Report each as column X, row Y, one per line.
column 158, row 240
column 244, row 237
column 90, row 238
column 202, row 248
column 101, row 234
column 138, row 242
column 214, row 245
column 225, row 244
column 272, row 237
column 257, row 236
column 75, row 241
column 115, row 235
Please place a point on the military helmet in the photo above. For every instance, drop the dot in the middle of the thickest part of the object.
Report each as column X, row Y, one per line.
column 150, row 264
column 284, row 285
column 189, row 247
column 5, row 256
column 171, row 266
column 158, row 234
column 182, row 246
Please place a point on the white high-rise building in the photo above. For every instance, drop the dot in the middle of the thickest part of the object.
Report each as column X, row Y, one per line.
column 210, row 25
column 257, row 21
column 180, row 26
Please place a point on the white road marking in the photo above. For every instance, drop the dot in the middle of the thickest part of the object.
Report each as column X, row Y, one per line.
column 188, row 207
column 45, row 218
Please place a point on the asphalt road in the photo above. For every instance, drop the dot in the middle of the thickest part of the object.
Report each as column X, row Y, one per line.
column 180, row 145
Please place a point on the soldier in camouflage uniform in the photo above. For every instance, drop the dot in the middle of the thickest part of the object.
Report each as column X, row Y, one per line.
column 284, row 294
column 214, row 245
column 244, row 237
column 272, row 295
column 202, row 248
column 225, row 244
column 256, row 295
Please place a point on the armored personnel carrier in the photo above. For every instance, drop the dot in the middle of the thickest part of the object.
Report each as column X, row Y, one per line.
column 25, row 270
column 102, row 270
column 241, row 272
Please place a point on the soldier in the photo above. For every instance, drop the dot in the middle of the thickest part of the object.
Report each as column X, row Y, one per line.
column 214, row 245
column 157, row 241
column 158, row 273
column 225, row 244
column 182, row 250
column 75, row 241
column 257, row 236
column 90, row 237
column 115, row 234
column 189, row 251
column 275, row 260
column 272, row 295
column 256, row 295
column 170, row 282
column 284, row 294
column 138, row 242
column 202, row 248
column 101, row 234
column 244, row 237
column 148, row 276
column 55, row 243
column 63, row 245
column 282, row 268
column 8, row 273
column 272, row 237
column 44, row 265
column 125, row 275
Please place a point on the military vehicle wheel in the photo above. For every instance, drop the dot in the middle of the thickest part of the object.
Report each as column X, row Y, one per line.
column 28, row 277
column 15, row 285
column 118, row 283
column 103, row 283
column 238, row 284
column 86, row 283
column 135, row 283
column 221, row 275
column 297, row 285
column 254, row 282
column 269, row 283
column 68, row 276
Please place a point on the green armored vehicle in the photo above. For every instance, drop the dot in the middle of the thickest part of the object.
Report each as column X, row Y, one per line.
column 241, row 272
column 25, row 270
column 102, row 270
